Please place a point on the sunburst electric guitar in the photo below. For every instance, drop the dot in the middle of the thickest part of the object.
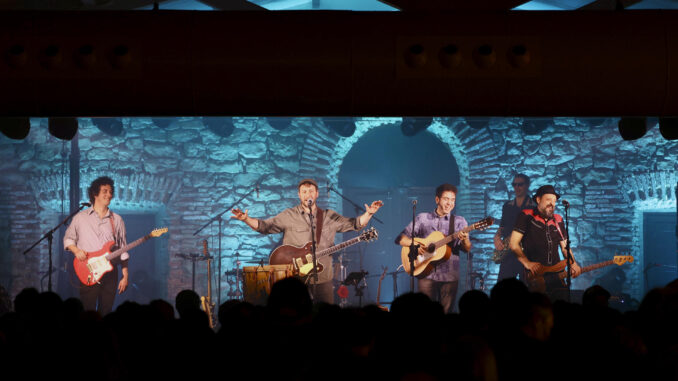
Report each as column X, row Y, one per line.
column 437, row 249
column 302, row 258
column 98, row 263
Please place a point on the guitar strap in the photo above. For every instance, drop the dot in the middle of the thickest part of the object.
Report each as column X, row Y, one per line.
column 318, row 225
column 110, row 217
column 451, row 231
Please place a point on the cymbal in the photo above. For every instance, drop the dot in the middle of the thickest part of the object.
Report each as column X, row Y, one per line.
column 257, row 262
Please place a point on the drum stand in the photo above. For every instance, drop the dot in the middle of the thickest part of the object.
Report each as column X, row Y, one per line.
column 237, row 294
column 354, row 279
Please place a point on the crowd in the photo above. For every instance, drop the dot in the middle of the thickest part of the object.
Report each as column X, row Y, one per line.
column 512, row 334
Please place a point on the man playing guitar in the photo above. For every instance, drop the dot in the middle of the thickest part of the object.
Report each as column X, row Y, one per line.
column 442, row 283
column 541, row 232
column 89, row 231
column 294, row 223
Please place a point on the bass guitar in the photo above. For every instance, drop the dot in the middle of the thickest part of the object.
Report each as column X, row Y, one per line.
column 301, row 258
column 98, row 263
column 554, row 275
column 437, row 249
column 206, row 302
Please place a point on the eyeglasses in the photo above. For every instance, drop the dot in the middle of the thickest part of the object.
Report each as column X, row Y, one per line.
column 517, row 184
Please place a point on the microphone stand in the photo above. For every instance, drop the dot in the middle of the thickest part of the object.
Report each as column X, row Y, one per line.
column 315, row 260
column 568, row 257
column 356, row 206
column 50, row 236
column 414, row 248
column 218, row 218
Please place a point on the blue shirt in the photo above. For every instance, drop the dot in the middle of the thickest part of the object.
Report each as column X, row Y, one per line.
column 427, row 223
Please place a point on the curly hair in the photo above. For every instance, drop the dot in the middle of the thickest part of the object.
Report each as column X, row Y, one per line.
column 95, row 187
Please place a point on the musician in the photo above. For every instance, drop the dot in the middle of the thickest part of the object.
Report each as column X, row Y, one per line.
column 510, row 267
column 541, row 232
column 295, row 225
column 441, row 284
column 89, row 231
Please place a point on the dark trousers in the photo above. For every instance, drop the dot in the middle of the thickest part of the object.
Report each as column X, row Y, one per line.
column 510, row 267
column 444, row 293
column 100, row 296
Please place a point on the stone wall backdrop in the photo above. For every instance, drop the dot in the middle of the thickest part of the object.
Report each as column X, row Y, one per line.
column 183, row 172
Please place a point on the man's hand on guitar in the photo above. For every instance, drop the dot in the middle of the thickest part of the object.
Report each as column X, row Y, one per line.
column 533, row 267
column 374, row 207
column 80, row 254
column 239, row 214
column 576, row 270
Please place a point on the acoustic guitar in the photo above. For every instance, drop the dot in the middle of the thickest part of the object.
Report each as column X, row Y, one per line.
column 206, row 301
column 437, row 248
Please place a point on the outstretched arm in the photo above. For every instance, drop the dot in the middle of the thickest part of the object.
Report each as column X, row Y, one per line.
column 370, row 210
column 243, row 216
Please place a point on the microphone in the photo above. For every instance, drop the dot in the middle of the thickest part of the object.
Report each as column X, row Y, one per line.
column 85, row 204
column 257, row 188
column 329, row 186
column 566, row 204
column 309, row 202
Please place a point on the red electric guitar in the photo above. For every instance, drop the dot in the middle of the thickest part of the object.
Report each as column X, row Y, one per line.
column 98, row 263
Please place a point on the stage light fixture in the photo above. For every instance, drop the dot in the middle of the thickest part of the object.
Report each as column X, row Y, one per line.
column 519, row 56
column 450, row 56
column 484, row 56
column 668, row 127
column 15, row 128
column 412, row 126
column 220, row 126
column 416, row 56
column 109, row 126
column 632, row 128
column 63, row 128
column 279, row 123
column 342, row 126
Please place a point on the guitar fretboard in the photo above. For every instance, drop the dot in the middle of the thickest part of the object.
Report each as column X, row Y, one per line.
column 585, row 269
column 132, row 245
column 338, row 247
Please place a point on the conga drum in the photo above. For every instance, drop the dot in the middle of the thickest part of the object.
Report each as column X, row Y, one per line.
column 257, row 281
column 256, row 284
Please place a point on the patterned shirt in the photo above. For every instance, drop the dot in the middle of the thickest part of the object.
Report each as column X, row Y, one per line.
column 427, row 223
column 296, row 228
column 89, row 232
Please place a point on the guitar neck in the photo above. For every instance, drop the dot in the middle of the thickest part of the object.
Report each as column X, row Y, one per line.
column 585, row 269
column 454, row 236
column 132, row 245
column 335, row 248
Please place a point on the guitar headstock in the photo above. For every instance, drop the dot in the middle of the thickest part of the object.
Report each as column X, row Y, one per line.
column 158, row 232
column 621, row 259
column 484, row 223
column 204, row 248
column 369, row 234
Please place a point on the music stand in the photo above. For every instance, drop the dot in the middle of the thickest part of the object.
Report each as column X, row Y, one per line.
column 352, row 279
